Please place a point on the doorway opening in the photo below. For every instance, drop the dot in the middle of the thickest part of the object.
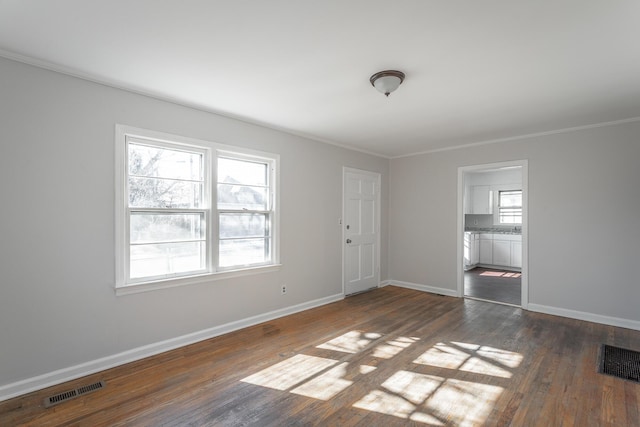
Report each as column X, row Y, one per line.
column 492, row 237
column 494, row 285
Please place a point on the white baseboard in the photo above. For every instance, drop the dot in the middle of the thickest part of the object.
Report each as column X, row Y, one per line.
column 28, row 385
column 582, row 315
column 384, row 283
column 424, row 288
column 556, row 311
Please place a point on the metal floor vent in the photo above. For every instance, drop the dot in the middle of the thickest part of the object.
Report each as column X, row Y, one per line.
column 620, row 362
column 72, row 394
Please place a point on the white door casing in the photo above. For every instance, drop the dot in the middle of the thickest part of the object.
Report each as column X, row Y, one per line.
column 360, row 230
column 523, row 258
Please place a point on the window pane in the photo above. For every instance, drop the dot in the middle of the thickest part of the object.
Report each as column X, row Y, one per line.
column 242, row 225
column 510, row 199
column 242, row 197
column 164, row 163
column 243, row 252
column 232, row 171
column 163, row 193
column 157, row 227
column 510, row 220
column 510, row 215
column 166, row 258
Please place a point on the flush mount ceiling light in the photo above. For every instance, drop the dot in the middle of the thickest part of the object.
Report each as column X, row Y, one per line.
column 387, row 81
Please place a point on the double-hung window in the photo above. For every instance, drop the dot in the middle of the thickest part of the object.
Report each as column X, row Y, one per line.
column 190, row 209
column 510, row 207
column 245, row 211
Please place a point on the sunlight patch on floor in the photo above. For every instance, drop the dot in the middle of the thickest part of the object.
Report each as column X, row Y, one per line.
column 390, row 404
column 393, row 347
column 412, row 396
column 471, row 358
column 507, row 358
column 290, row 372
column 432, row 399
column 443, row 356
column 511, row 274
column 326, row 385
column 351, row 342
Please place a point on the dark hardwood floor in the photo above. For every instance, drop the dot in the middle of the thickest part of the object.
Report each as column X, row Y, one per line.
column 493, row 285
column 388, row 357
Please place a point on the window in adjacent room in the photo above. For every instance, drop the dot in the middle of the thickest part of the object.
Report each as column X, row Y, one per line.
column 510, row 207
column 190, row 208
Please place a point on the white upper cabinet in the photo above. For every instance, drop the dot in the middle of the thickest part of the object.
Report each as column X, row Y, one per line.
column 481, row 199
column 481, row 189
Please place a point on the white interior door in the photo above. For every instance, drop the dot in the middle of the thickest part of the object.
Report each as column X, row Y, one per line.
column 361, row 228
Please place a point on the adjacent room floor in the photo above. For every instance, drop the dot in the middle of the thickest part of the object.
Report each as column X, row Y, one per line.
column 493, row 285
column 389, row 357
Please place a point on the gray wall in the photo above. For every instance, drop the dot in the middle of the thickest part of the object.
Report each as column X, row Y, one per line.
column 584, row 209
column 58, row 307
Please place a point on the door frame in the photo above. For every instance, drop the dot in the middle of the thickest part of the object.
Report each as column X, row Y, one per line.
column 378, row 177
column 524, row 164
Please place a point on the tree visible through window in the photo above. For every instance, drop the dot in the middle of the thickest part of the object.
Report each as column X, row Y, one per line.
column 167, row 214
column 244, row 212
column 510, row 207
column 188, row 210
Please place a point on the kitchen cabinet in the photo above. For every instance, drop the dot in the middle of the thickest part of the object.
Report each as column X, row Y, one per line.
column 481, row 199
column 486, row 248
column 471, row 249
column 475, row 253
column 503, row 250
column 516, row 253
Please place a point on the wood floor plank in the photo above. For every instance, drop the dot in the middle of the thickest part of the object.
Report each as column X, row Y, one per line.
column 388, row 357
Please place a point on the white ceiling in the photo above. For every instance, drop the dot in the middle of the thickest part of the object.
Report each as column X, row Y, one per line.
column 476, row 70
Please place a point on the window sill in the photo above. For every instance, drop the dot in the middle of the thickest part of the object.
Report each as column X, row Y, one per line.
column 191, row 280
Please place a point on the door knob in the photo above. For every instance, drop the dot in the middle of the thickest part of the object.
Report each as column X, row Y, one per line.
column 348, row 240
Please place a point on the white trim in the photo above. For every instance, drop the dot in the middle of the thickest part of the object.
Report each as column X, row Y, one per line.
column 583, row 315
column 493, row 302
column 384, row 283
column 39, row 382
column 378, row 177
column 424, row 288
column 524, row 279
column 520, row 137
column 137, row 288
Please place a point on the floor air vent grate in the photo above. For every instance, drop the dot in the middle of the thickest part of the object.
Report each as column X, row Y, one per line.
column 620, row 362
column 71, row 394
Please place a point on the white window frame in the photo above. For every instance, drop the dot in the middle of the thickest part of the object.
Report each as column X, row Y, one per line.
column 498, row 207
column 205, row 209
column 123, row 284
column 270, row 211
